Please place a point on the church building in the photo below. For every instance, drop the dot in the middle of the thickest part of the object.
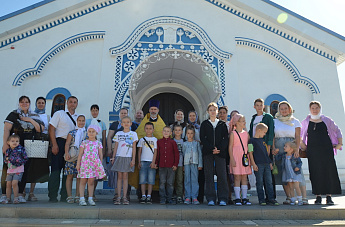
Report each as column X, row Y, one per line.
column 185, row 53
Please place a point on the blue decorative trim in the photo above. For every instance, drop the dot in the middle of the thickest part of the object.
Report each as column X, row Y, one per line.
column 282, row 59
column 274, row 97
column 57, row 22
column 53, row 51
column 136, row 35
column 272, row 29
column 216, row 3
column 58, row 90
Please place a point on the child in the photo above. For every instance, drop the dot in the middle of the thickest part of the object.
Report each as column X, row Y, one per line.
column 124, row 151
column 179, row 172
column 15, row 157
column 94, row 109
column 291, row 173
column 262, row 165
column 167, row 161
column 192, row 164
column 214, row 138
column 147, row 158
column 237, row 147
column 89, row 163
column 74, row 139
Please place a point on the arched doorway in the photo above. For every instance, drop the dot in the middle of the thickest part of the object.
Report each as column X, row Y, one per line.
column 169, row 102
column 178, row 72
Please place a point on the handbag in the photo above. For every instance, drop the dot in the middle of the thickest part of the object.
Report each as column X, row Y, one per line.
column 245, row 159
column 303, row 154
column 73, row 153
column 275, row 167
column 36, row 148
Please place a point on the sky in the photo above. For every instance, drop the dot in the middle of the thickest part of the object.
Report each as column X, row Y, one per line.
column 328, row 13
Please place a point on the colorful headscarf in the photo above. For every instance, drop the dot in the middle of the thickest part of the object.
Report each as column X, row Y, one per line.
column 95, row 127
column 234, row 120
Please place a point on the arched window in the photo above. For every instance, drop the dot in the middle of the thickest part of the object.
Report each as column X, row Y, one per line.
column 274, row 107
column 58, row 103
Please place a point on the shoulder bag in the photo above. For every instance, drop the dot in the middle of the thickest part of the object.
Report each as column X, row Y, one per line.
column 245, row 159
column 148, row 145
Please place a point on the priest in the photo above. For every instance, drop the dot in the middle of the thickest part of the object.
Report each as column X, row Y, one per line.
column 159, row 124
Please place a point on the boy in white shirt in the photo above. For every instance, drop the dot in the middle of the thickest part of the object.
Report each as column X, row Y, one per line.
column 147, row 157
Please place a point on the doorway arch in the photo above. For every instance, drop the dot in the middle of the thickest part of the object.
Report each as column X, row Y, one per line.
column 178, row 72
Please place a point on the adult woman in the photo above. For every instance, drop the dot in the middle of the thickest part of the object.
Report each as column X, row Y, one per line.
column 38, row 171
column 179, row 119
column 24, row 123
column 193, row 120
column 214, row 137
column 321, row 137
column 223, row 115
column 286, row 128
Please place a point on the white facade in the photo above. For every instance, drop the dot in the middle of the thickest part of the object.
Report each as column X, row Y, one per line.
column 121, row 53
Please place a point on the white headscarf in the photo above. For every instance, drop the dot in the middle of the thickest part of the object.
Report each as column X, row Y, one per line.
column 287, row 119
column 80, row 134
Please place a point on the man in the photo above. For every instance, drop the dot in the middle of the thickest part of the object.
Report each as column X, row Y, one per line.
column 59, row 126
column 139, row 115
column 153, row 117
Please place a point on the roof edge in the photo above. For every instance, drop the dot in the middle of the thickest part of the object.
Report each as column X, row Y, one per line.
column 15, row 13
column 305, row 19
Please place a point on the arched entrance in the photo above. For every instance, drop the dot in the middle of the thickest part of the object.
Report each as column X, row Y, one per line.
column 175, row 72
column 169, row 103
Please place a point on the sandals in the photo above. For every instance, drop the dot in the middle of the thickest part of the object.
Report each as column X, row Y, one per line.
column 125, row 201
column 287, row 201
column 76, row 199
column 70, row 199
column 32, row 197
column 305, row 201
column 117, row 201
column 16, row 201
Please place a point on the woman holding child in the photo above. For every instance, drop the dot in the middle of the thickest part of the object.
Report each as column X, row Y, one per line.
column 24, row 123
column 321, row 137
column 286, row 129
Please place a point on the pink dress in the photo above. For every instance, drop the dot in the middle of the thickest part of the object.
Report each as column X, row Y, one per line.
column 90, row 164
column 238, row 153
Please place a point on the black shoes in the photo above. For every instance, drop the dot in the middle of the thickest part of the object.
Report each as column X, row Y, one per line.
column 318, row 200
column 143, row 200
column 329, row 200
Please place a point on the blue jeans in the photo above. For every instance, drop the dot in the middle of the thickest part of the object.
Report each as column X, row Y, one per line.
column 264, row 172
column 166, row 183
column 191, row 184
column 147, row 175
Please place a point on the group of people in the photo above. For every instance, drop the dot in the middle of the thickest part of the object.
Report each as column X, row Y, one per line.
column 186, row 155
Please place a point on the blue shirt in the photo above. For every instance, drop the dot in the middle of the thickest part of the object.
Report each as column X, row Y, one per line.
column 260, row 151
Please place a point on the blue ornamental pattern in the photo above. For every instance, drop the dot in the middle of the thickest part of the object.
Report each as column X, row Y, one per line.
column 161, row 34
